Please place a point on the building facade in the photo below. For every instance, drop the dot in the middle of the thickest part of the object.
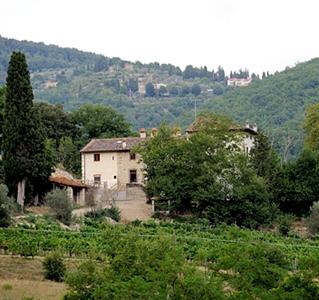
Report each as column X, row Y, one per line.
column 112, row 162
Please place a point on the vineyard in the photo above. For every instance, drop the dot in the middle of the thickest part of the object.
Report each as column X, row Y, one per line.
column 239, row 263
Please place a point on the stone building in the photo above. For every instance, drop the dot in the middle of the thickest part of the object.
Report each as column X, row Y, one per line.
column 112, row 163
column 74, row 187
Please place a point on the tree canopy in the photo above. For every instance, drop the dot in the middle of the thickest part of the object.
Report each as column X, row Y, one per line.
column 24, row 155
column 100, row 121
column 207, row 175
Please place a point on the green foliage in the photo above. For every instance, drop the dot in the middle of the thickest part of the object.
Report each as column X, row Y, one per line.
column 311, row 126
column 312, row 222
column 99, row 121
column 54, row 267
column 149, row 90
column 4, row 217
column 143, row 270
column 23, row 140
column 69, row 156
column 113, row 213
column 297, row 185
column 60, row 203
column 277, row 104
column 2, row 101
column 7, row 206
column 263, row 157
column 207, row 175
column 284, row 224
column 56, row 122
column 297, row 287
column 196, row 89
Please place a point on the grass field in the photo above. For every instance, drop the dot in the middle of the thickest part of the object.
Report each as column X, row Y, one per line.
column 23, row 277
column 17, row 289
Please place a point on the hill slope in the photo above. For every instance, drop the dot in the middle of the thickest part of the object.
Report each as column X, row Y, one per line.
column 277, row 103
column 72, row 77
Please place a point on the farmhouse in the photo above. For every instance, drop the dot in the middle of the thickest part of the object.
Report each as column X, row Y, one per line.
column 112, row 164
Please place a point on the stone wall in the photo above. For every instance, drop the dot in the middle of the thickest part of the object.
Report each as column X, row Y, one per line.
column 124, row 165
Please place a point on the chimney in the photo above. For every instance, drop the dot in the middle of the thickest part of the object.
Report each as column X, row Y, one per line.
column 255, row 128
column 154, row 132
column 142, row 133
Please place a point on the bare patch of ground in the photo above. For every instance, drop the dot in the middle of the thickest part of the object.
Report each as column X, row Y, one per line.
column 134, row 209
column 22, row 277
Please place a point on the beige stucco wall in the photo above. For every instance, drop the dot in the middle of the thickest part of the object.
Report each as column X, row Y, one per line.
column 125, row 164
column 106, row 167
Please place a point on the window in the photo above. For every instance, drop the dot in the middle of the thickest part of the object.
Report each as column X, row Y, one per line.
column 97, row 179
column 96, row 156
column 114, row 177
column 133, row 176
column 132, row 155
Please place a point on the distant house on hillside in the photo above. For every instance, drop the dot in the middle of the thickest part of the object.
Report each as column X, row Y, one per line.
column 239, row 81
column 247, row 133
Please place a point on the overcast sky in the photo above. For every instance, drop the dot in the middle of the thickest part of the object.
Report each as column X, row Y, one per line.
column 259, row 35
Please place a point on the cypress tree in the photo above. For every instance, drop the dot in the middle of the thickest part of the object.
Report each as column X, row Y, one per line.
column 23, row 141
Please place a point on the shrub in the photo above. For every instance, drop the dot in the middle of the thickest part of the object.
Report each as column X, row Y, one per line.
column 54, row 267
column 7, row 206
column 4, row 217
column 284, row 224
column 113, row 213
column 60, row 203
column 312, row 222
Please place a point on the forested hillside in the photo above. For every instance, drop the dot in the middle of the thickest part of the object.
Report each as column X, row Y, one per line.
column 148, row 94
column 277, row 103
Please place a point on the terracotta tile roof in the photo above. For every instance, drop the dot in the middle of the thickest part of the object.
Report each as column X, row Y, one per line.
column 67, row 181
column 114, row 144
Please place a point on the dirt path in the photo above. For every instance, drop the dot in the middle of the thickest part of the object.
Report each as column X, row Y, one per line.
column 134, row 209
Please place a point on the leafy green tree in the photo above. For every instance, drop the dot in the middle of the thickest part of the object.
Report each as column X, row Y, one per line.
column 57, row 123
column 218, row 90
column 162, row 91
column 206, row 174
column 6, row 206
column 60, row 203
column 173, row 91
column 23, row 139
column 69, row 156
column 196, row 90
column 297, row 184
column 2, row 101
column 185, row 91
column 149, row 90
column 54, row 267
column 264, row 158
column 132, row 85
column 311, row 126
column 100, row 121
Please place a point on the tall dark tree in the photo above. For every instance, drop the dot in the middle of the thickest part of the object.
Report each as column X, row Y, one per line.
column 149, row 90
column 23, row 141
column 2, row 97
column 196, row 89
